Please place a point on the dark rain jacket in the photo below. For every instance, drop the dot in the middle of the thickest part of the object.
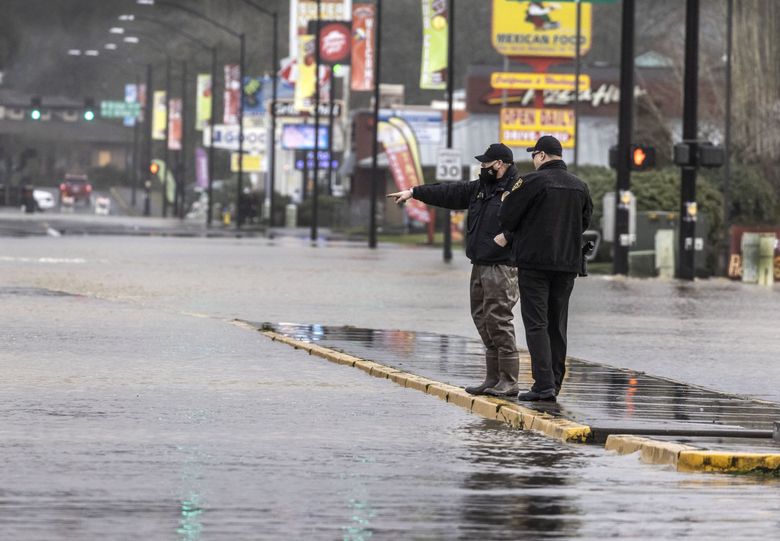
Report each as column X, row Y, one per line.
column 548, row 210
column 482, row 198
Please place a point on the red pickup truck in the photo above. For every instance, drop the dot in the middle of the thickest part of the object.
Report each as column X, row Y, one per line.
column 76, row 189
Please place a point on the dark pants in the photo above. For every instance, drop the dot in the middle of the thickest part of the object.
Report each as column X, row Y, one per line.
column 494, row 293
column 544, row 305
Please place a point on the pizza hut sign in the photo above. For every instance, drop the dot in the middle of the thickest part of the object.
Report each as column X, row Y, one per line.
column 335, row 41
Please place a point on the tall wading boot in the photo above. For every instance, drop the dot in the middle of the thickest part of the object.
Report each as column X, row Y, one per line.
column 491, row 374
column 508, row 369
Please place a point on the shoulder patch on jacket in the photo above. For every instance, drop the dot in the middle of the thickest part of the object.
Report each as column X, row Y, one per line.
column 504, row 195
column 517, row 184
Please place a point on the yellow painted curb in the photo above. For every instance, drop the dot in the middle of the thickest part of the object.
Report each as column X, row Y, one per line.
column 650, row 451
column 683, row 457
column 484, row 406
column 717, row 461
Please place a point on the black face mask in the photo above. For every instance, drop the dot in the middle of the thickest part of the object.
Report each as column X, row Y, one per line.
column 487, row 173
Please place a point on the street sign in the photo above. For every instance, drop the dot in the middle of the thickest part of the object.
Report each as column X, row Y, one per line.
column 226, row 137
column 448, row 165
column 537, row 81
column 119, row 109
column 287, row 108
column 522, row 126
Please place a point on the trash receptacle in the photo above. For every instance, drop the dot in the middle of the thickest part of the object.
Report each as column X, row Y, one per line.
column 766, row 259
column 291, row 215
column 750, row 243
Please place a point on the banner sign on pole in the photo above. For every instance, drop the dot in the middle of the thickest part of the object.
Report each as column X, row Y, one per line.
column 521, row 127
column 362, row 72
column 232, row 94
column 159, row 119
column 201, row 168
column 538, row 81
column 307, row 69
column 433, row 68
column 287, row 108
column 540, row 28
column 131, row 96
column 174, row 124
column 203, row 101
column 253, row 96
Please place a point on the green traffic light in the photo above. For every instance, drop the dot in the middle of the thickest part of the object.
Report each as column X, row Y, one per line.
column 89, row 115
column 35, row 114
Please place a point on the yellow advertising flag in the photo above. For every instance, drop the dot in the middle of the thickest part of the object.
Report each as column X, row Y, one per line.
column 203, row 104
column 307, row 73
column 540, row 28
column 522, row 126
column 159, row 117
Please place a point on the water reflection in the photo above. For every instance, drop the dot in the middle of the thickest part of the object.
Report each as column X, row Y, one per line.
column 518, row 485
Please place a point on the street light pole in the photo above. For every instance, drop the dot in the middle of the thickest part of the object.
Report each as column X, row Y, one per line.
column 166, row 151
column 450, row 88
column 316, row 188
column 687, row 236
column 625, row 113
column 148, row 146
column 375, row 142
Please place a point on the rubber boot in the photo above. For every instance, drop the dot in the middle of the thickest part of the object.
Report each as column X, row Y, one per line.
column 491, row 374
column 508, row 369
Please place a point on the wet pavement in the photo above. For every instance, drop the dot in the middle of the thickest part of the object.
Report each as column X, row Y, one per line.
column 609, row 400
column 132, row 408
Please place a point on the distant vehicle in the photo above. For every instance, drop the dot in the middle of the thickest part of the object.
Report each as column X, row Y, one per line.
column 102, row 205
column 44, row 200
column 78, row 188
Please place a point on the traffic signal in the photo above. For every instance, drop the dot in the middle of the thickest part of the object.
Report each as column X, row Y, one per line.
column 35, row 108
column 154, row 168
column 640, row 158
column 89, row 109
column 698, row 154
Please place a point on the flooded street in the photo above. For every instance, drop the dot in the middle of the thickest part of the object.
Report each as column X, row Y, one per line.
column 132, row 408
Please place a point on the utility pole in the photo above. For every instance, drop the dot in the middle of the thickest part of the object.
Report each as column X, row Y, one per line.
column 450, row 87
column 688, row 209
column 622, row 241
column 316, row 187
column 375, row 147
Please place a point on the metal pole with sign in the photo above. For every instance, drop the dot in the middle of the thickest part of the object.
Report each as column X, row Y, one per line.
column 316, row 189
column 622, row 239
column 450, row 87
column 686, row 246
column 375, row 142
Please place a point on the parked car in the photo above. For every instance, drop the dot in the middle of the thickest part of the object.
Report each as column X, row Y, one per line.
column 76, row 188
column 102, row 205
column 44, row 200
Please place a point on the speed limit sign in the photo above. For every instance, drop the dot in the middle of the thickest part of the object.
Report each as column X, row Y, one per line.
column 448, row 166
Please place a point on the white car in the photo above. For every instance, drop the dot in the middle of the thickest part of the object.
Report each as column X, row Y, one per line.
column 44, row 200
column 102, row 205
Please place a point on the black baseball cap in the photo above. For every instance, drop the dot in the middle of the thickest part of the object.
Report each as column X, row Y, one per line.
column 547, row 144
column 496, row 151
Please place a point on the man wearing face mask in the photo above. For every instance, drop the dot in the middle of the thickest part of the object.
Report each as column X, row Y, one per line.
column 493, row 286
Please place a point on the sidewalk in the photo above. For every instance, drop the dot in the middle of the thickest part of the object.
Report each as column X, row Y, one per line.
column 670, row 422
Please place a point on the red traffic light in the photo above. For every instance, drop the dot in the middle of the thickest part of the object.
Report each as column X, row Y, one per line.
column 154, row 168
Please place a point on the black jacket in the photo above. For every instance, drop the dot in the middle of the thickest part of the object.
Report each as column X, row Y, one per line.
column 483, row 201
column 548, row 210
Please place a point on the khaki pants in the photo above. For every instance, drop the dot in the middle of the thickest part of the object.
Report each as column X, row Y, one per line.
column 494, row 293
